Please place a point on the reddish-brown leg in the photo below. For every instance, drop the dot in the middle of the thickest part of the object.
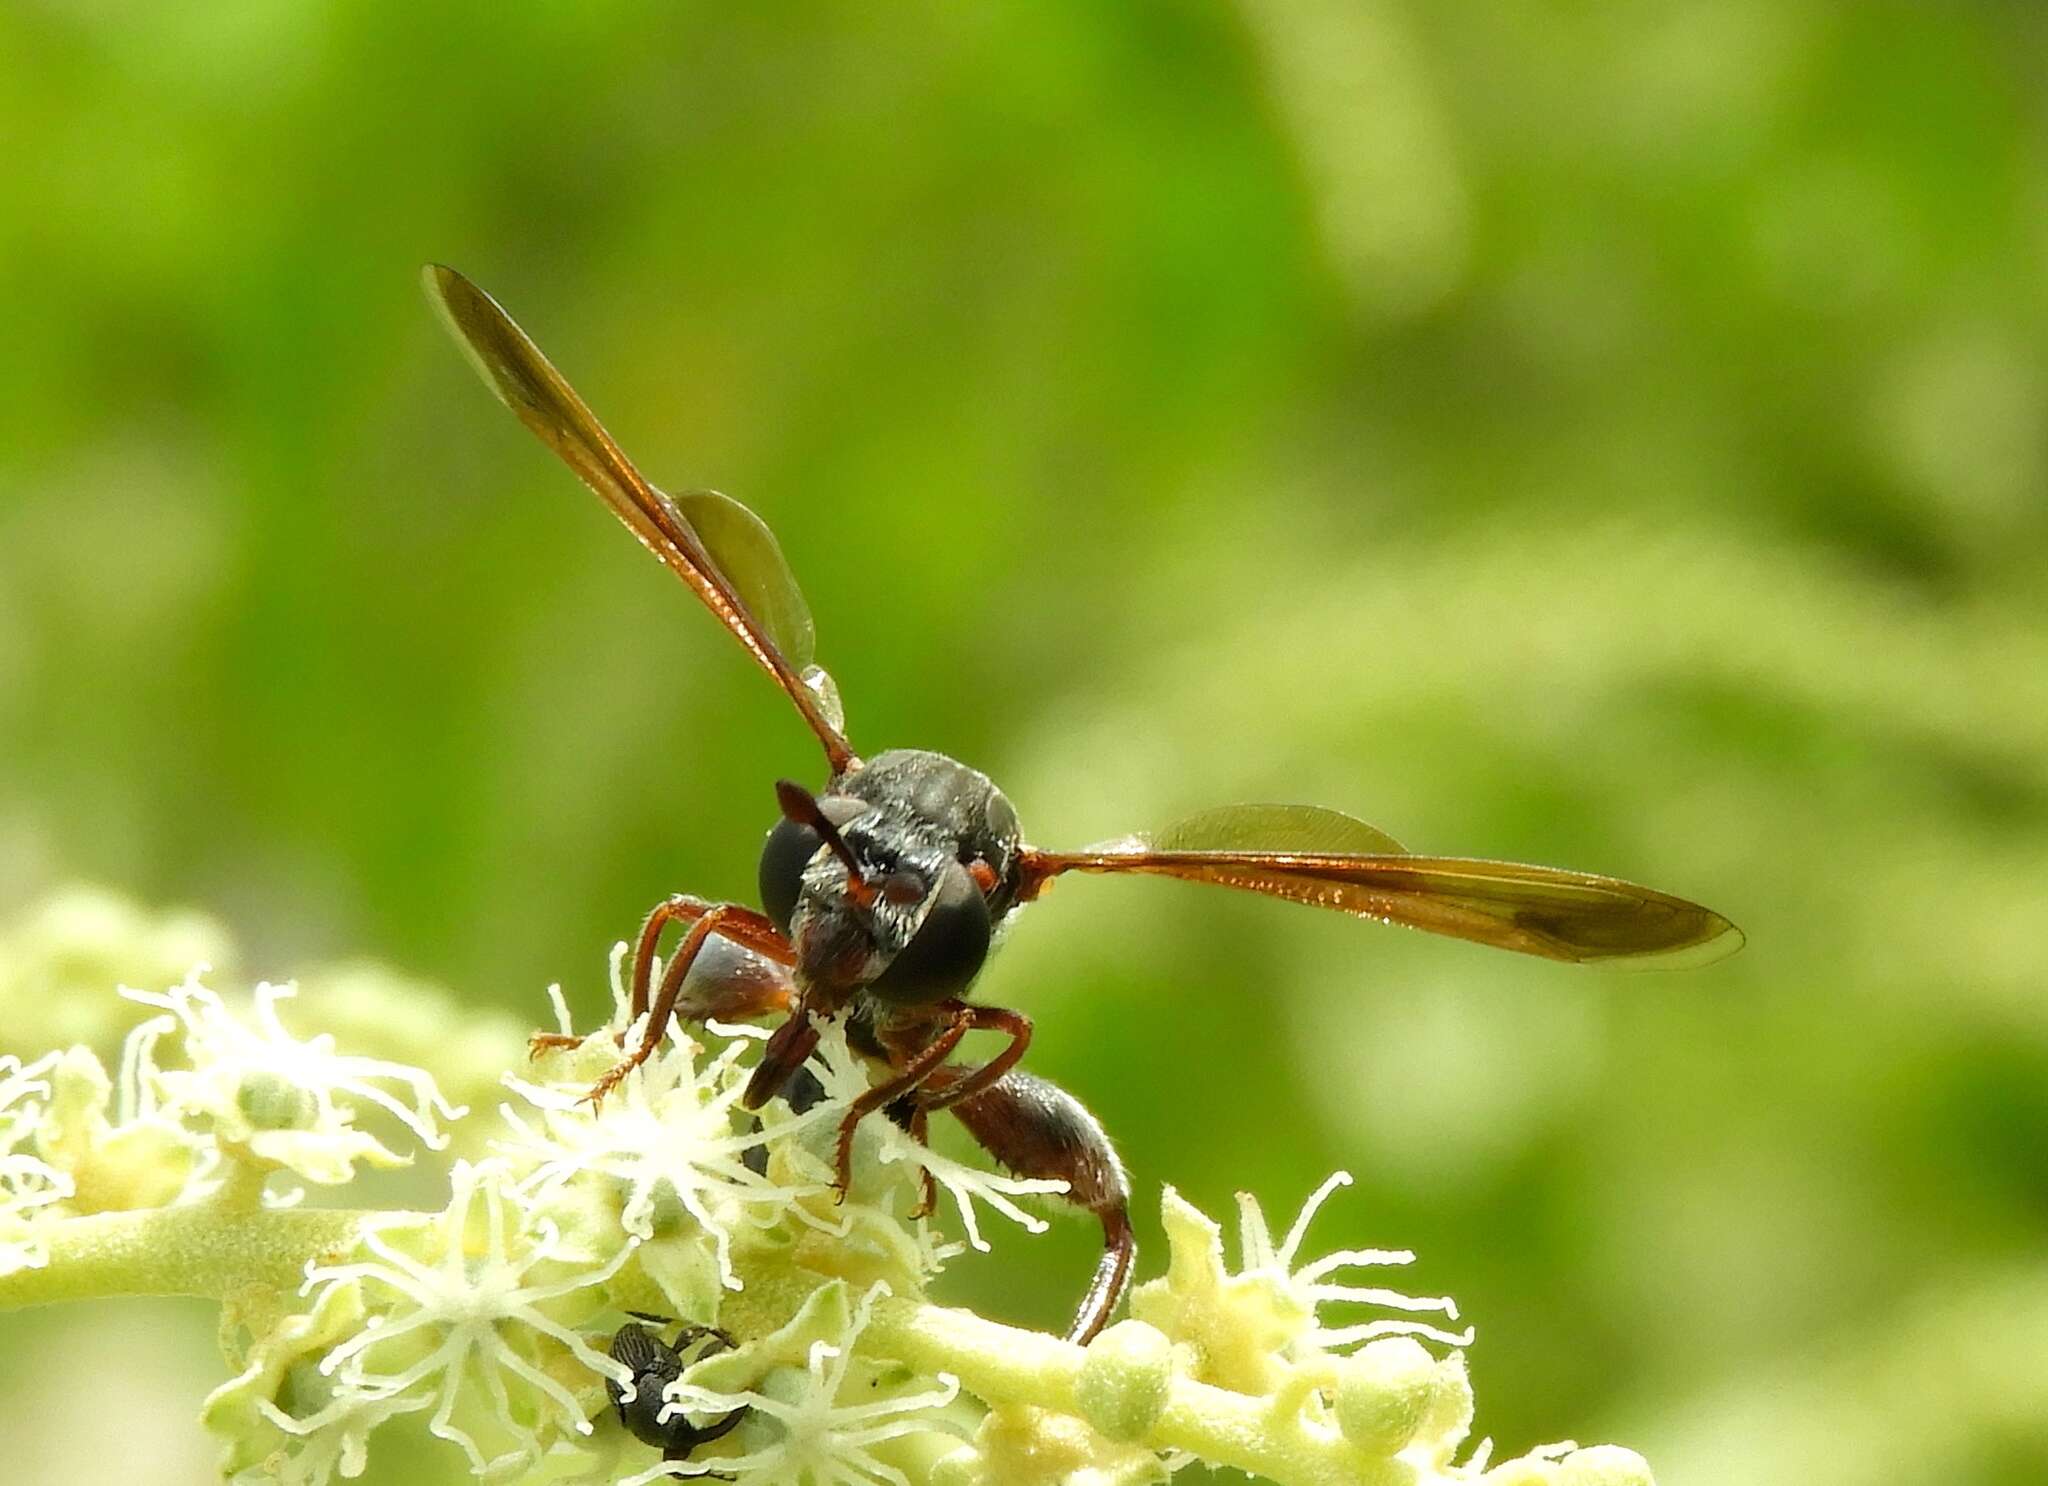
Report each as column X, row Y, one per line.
column 1037, row 1129
column 928, row 1187
column 992, row 1019
column 761, row 936
column 920, row 1066
column 742, row 925
column 914, row 1120
column 912, row 1072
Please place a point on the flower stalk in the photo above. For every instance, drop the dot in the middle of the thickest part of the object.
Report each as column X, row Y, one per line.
column 208, row 1250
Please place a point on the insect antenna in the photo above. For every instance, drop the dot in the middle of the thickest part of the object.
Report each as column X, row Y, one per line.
column 800, row 805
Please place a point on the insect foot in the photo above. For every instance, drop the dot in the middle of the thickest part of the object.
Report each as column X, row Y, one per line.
column 598, row 1092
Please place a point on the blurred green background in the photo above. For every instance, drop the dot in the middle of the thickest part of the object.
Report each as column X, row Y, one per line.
column 1611, row 436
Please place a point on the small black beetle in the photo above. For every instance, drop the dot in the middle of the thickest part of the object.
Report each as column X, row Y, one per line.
column 656, row 1364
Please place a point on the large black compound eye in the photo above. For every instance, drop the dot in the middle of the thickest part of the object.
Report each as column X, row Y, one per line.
column 788, row 850
column 946, row 952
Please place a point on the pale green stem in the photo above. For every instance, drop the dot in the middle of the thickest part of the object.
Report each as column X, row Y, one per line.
column 1001, row 1364
column 209, row 1249
column 241, row 1184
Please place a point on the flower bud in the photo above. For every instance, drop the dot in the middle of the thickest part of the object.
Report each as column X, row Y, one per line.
column 962, row 1467
column 1384, row 1392
column 1604, row 1465
column 1449, row 1416
column 686, row 1272
column 1124, row 1380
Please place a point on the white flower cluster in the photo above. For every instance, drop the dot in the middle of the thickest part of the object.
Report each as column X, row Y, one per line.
column 266, row 1098
column 668, row 1148
column 670, row 1145
column 1384, row 1410
column 201, row 1094
column 493, row 1319
column 452, row 1315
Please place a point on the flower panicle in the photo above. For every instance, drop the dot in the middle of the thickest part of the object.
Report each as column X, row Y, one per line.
column 490, row 1321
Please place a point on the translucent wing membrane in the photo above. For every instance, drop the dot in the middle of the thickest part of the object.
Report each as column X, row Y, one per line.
column 723, row 551
column 751, row 560
column 747, row 553
column 1269, row 828
column 1329, row 860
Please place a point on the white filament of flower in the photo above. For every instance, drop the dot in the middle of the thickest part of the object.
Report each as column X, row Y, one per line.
column 1309, row 1287
column 21, row 1085
column 337, row 1438
column 27, row 1183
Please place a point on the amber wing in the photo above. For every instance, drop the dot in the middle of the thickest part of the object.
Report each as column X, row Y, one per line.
column 727, row 555
column 1556, row 914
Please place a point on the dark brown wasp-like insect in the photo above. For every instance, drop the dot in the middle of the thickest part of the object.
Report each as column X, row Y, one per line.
column 881, row 893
